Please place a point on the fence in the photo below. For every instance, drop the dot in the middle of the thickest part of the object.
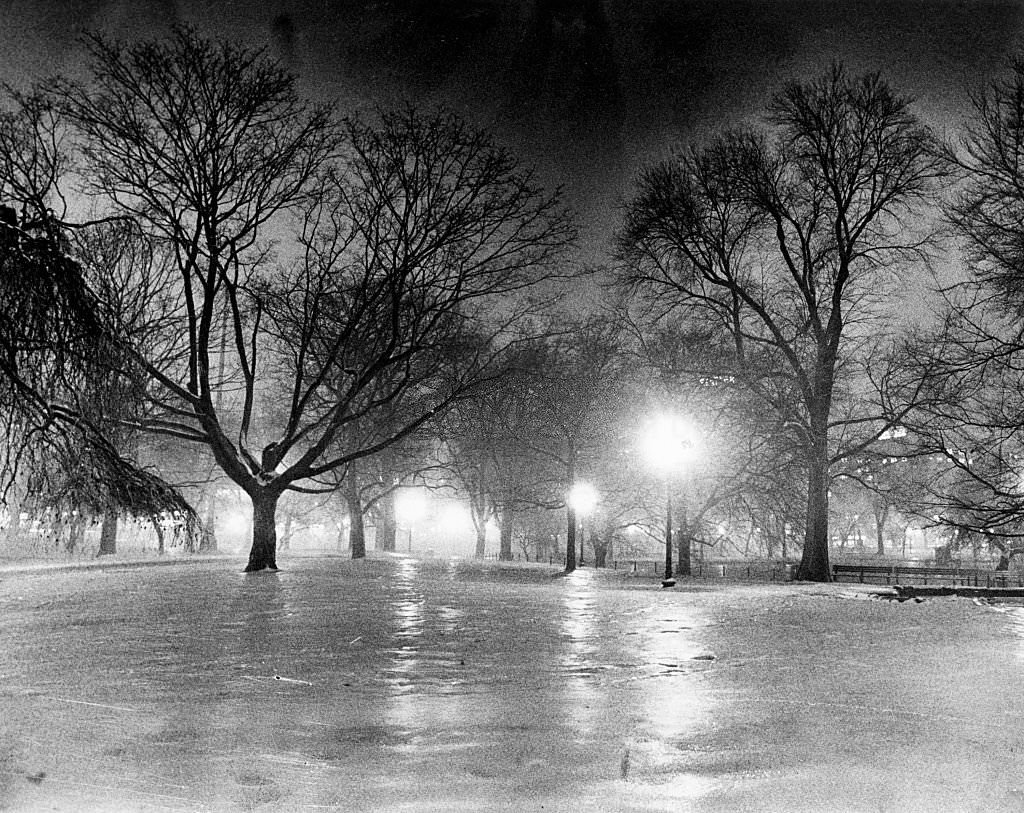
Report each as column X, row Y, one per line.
column 759, row 570
column 731, row 569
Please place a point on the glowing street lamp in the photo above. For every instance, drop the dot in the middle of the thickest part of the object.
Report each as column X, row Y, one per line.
column 410, row 506
column 668, row 445
column 582, row 498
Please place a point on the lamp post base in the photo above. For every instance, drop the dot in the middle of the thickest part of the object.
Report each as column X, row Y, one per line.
column 668, row 582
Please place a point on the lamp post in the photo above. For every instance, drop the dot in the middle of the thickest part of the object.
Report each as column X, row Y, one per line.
column 581, row 500
column 669, row 442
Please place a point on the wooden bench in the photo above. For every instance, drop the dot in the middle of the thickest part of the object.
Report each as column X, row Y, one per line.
column 908, row 574
column 862, row 570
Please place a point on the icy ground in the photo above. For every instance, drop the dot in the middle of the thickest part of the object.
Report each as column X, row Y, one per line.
column 398, row 685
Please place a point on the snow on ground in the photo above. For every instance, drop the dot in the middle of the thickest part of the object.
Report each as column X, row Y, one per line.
column 404, row 685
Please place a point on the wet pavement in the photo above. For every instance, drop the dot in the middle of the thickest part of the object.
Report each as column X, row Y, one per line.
column 401, row 685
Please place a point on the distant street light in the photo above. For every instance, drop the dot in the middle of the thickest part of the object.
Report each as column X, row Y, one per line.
column 669, row 443
column 410, row 506
column 582, row 498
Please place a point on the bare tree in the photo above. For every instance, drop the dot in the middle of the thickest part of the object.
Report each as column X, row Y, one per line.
column 780, row 244
column 61, row 334
column 405, row 230
column 970, row 430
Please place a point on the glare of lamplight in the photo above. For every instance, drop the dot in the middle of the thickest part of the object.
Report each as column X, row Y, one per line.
column 236, row 523
column 669, row 442
column 454, row 518
column 411, row 504
column 583, row 497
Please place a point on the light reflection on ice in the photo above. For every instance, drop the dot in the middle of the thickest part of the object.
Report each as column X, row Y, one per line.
column 406, row 570
column 408, row 614
column 578, row 628
column 407, row 617
column 680, row 786
column 671, row 639
column 674, row 657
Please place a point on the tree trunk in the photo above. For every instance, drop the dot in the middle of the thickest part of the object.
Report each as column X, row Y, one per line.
column 570, row 536
column 684, row 567
column 505, row 550
column 570, row 539
column 108, row 534
column 76, row 533
column 158, row 527
column 354, row 504
column 881, row 515
column 263, row 555
column 601, row 545
column 356, row 530
column 481, row 539
column 208, row 538
column 388, row 530
column 814, row 564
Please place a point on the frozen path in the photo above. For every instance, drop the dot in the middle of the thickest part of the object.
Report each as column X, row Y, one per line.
column 401, row 685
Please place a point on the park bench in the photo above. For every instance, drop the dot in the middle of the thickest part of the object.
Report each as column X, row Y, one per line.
column 909, row 574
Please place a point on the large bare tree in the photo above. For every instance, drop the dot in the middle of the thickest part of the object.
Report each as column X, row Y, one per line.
column 780, row 243
column 324, row 271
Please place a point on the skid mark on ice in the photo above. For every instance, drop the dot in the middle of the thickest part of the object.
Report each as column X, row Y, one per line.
column 277, row 678
column 122, row 794
column 85, row 703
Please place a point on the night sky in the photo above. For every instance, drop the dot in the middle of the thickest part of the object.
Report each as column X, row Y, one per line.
column 584, row 89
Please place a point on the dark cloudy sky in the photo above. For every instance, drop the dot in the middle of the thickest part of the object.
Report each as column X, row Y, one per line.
column 587, row 89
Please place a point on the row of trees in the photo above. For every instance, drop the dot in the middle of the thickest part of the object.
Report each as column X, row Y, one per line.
column 194, row 257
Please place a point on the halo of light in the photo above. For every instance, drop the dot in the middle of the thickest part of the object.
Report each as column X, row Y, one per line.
column 583, row 497
column 670, row 442
column 411, row 504
column 454, row 518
